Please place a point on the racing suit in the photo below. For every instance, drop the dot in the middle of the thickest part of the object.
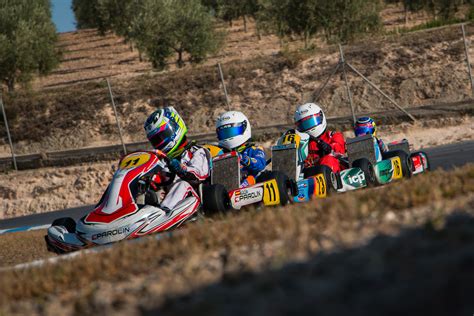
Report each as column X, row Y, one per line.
column 380, row 148
column 252, row 162
column 315, row 154
column 195, row 163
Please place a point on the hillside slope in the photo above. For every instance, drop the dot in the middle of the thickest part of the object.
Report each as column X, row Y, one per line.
column 73, row 110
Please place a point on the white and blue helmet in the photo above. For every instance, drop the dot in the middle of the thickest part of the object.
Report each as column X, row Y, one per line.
column 233, row 130
column 309, row 118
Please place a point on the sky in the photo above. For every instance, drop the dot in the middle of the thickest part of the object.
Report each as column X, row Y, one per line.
column 63, row 17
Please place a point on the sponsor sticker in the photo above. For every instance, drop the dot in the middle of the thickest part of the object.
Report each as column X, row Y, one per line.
column 355, row 177
column 110, row 233
column 384, row 171
column 247, row 196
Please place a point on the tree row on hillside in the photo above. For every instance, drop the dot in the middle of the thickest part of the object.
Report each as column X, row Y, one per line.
column 158, row 28
column 27, row 40
column 439, row 9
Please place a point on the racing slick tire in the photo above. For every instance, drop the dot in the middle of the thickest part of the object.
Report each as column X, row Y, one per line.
column 368, row 169
column 283, row 184
column 407, row 165
column 66, row 222
column 215, row 198
column 329, row 176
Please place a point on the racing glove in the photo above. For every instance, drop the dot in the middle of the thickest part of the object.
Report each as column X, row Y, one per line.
column 324, row 147
column 244, row 160
column 175, row 166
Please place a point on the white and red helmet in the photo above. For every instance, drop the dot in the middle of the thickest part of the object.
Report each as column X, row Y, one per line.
column 309, row 118
column 233, row 129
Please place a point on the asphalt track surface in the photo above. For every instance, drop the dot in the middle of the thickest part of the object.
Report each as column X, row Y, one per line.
column 445, row 157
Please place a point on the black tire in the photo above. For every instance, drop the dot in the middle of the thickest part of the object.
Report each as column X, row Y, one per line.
column 407, row 165
column 66, row 222
column 283, row 184
column 215, row 198
column 426, row 155
column 329, row 176
column 368, row 169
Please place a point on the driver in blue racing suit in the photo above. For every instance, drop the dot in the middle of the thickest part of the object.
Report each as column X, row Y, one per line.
column 234, row 133
column 366, row 125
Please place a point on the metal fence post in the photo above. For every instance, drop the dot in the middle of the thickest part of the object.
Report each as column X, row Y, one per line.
column 466, row 50
column 349, row 95
column 8, row 133
column 323, row 87
column 381, row 92
column 221, row 74
column 116, row 116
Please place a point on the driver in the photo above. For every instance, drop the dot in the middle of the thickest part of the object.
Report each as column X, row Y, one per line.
column 235, row 133
column 366, row 125
column 324, row 147
column 166, row 131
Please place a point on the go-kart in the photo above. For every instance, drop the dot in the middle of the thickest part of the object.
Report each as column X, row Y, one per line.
column 288, row 158
column 128, row 208
column 369, row 166
column 268, row 188
column 364, row 165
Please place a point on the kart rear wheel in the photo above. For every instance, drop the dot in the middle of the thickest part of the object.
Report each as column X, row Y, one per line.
column 215, row 198
column 66, row 222
column 283, row 184
column 368, row 169
column 407, row 165
column 329, row 176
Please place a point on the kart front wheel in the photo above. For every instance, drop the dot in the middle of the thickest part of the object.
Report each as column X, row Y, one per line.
column 66, row 222
column 215, row 198
column 368, row 169
column 405, row 159
column 283, row 184
column 329, row 176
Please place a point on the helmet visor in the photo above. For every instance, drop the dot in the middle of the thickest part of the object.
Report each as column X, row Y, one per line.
column 230, row 130
column 161, row 138
column 365, row 129
column 309, row 122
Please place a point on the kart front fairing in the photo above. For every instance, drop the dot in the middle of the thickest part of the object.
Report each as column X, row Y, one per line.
column 120, row 214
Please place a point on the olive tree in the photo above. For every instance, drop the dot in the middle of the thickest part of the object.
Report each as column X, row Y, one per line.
column 162, row 28
column 27, row 40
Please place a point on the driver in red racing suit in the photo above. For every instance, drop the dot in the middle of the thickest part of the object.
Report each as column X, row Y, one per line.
column 325, row 147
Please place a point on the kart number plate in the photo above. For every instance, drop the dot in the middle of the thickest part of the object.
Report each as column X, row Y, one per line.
column 397, row 168
column 271, row 195
column 320, row 186
column 134, row 160
column 292, row 139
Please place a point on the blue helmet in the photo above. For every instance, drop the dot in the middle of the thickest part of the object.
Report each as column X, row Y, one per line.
column 365, row 125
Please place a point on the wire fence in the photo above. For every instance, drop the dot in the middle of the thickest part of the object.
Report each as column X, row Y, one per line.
column 325, row 79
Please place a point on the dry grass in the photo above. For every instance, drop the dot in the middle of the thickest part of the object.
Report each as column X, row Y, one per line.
column 218, row 248
column 22, row 247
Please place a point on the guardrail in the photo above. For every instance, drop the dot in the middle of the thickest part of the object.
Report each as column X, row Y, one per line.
column 94, row 154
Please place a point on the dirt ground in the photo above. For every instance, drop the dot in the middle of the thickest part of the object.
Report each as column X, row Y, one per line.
column 49, row 189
